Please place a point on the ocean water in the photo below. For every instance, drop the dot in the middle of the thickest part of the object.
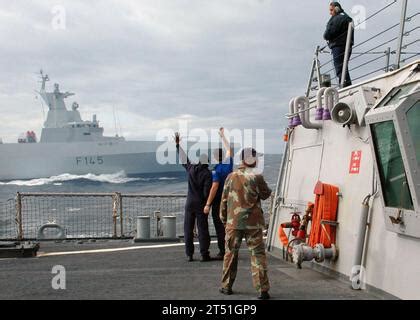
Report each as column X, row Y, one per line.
column 92, row 217
column 167, row 183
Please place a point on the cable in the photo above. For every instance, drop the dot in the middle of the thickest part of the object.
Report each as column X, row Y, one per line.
column 408, row 58
column 368, row 62
column 375, row 52
column 377, row 35
column 409, row 44
column 370, row 50
column 408, row 32
column 374, row 14
column 368, row 74
column 410, row 17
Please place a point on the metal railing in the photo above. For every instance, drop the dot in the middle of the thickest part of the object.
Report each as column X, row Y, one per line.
column 92, row 215
column 8, row 220
column 378, row 45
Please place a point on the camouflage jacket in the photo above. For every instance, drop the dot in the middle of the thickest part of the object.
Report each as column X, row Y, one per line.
column 240, row 207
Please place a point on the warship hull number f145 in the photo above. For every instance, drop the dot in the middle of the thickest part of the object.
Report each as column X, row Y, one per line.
column 89, row 161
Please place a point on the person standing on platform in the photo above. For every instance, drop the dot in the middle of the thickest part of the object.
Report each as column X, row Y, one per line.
column 241, row 212
column 199, row 184
column 336, row 36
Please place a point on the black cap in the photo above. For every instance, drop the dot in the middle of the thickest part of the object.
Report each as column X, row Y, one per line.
column 250, row 155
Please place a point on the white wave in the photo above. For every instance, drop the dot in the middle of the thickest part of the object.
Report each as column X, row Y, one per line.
column 115, row 178
column 167, row 178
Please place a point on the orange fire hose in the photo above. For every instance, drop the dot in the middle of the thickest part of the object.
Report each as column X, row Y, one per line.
column 326, row 204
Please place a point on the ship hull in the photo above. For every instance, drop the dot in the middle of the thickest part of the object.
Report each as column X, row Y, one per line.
column 37, row 160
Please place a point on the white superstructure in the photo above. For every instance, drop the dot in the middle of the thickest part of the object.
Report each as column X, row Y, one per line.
column 370, row 150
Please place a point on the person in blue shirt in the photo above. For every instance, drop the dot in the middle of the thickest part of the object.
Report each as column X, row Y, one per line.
column 219, row 175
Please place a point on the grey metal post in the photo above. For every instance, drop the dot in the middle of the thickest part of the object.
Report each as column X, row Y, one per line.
column 308, row 91
column 362, row 235
column 346, row 55
column 318, row 69
column 121, row 216
column 115, row 206
column 19, row 215
column 401, row 36
column 278, row 193
column 388, row 58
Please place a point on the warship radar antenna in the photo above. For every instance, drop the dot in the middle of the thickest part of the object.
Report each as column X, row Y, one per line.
column 44, row 79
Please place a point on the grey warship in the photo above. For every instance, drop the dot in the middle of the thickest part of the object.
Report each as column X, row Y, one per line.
column 71, row 145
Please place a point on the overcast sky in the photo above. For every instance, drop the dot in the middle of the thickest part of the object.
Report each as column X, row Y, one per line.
column 232, row 63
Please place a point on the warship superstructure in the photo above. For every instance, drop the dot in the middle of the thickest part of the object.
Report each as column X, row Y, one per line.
column 348, row 196
column 71, row 145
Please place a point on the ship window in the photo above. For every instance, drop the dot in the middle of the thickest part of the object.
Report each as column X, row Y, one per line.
column 396, row 93
column 396, row 191
column 413, row 119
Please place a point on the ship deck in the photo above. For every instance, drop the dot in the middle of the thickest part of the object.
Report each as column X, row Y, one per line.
column 155, row 271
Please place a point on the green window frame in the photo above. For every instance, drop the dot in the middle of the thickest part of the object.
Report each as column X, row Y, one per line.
column 395, row 188
column 413, row 120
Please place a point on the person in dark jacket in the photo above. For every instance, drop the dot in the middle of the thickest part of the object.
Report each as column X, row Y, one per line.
column 336, row 36
column 199, row 184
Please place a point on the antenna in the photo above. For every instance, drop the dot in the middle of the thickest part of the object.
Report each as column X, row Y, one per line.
column 43, row 79
column 42, row 105
column 401, row 34
column 115, row 121
column 119, row 124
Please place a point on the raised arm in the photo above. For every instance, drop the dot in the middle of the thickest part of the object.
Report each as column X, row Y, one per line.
column 226, row 143
column 183, row 156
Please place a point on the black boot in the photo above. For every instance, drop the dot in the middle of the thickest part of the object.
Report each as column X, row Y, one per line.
column 264, row 295
column 205, row 258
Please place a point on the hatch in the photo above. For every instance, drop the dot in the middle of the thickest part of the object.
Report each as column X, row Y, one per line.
column 394, row 125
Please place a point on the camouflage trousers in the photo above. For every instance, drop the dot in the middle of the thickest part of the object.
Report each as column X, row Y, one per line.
column 255, row 243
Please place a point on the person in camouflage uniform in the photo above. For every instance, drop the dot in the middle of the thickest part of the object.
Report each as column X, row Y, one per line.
column 241, row 212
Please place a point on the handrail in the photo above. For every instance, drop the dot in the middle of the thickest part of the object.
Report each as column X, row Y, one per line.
column 75, row 194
